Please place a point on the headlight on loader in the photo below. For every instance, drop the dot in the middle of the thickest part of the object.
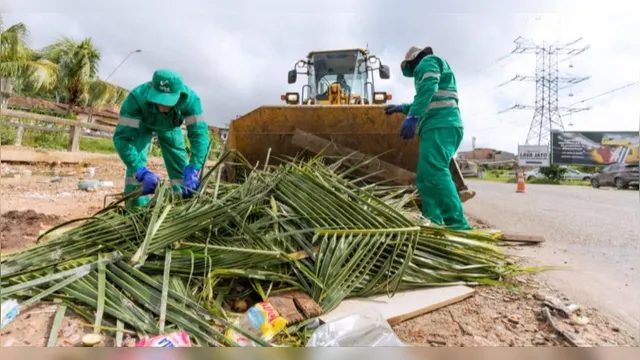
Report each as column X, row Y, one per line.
column 379, row 97
column 291, row 98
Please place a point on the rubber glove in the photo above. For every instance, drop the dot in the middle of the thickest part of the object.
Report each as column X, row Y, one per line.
column 408, row 130
column 392, row 109
column 191, row 182
column 148, row 179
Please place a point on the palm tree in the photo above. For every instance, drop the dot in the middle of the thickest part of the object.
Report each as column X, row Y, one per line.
column 78, row 67
column 78, row 73
column 102, row 93
column 19, row 64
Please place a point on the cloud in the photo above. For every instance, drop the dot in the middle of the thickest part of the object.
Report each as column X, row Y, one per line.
column 236, row 55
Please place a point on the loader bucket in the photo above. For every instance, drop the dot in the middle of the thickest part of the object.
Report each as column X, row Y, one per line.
column 363, row 128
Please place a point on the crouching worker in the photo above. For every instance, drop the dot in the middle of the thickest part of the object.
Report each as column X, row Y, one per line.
column 435, row 115
column 161, row 106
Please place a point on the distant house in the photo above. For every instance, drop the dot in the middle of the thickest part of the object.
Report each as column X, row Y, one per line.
column 486, row 155
column 220, row 133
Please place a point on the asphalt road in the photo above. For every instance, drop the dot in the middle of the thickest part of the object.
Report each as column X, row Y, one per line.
column 594, row 232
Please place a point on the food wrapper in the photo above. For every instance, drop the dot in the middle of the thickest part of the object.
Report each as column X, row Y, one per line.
column 174, row 339
column 261, row 320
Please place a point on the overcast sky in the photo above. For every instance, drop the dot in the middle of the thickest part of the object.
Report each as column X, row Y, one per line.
column 236, row 56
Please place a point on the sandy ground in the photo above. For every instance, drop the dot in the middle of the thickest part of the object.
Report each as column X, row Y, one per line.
column 31, row 202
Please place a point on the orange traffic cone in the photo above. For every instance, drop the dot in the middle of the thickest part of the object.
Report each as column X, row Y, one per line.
column 520, row 186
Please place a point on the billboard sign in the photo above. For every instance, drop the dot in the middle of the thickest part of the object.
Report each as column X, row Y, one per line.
column 594, row 147
column 533, row 155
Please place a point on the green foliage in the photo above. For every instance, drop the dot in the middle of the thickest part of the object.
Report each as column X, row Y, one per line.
column 495, row 173
column 67, row 68
column 45, row 140
column 55, row 141
column 215, row 148
column 8, row 135
column 302, row 226
column 553, row 172
column 97, row 145
column 21, row 64
column 543, row 181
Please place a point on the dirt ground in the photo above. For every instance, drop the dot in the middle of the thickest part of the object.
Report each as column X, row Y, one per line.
column 35, row 198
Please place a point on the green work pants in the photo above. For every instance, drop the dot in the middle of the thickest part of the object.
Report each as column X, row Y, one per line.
column 440, row 201
column 174, row 154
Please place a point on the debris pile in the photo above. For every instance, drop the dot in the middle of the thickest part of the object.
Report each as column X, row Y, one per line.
column 189, row 265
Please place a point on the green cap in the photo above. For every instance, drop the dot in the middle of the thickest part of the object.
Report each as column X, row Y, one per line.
column 166, row 87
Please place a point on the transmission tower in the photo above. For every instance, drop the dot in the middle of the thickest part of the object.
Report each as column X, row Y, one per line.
column 547, row 114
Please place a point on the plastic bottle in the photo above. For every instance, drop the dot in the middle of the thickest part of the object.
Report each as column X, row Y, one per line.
column 10, row 310
column 261, row 320
column 93, row 184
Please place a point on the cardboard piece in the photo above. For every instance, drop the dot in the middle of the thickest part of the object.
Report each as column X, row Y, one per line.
column 295, row 306
column 404, row 305
column 522, row 238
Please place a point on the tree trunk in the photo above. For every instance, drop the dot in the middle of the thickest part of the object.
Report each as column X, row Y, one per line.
column 90, row 116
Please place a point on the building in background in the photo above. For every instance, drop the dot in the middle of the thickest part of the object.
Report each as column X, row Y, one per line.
column 220, row 133
column 486, row 155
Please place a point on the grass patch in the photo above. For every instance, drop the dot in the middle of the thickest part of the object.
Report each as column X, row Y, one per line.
column 49, row 140
column 493, row 178
column 552, row 182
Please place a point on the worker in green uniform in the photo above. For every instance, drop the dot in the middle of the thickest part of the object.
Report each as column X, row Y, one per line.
column 435, row 115
column 161, row 106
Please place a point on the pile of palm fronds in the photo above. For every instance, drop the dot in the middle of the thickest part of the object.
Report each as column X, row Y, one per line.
column 178, row 264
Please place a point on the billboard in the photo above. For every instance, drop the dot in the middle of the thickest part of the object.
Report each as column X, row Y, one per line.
column 533, row 155
column 594, row 147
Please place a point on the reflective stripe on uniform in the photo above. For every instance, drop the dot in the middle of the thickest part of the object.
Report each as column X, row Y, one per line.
column 447, row 93
column 442, row 104
column 429, row 74
column 193, row 119
column 130, row 122
column 130, row 181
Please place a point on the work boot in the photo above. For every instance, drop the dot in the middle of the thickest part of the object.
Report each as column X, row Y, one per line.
column 466, row 195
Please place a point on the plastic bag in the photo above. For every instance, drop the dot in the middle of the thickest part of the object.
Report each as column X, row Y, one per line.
column 10, row 310
column 365, row 328
column 174, row 339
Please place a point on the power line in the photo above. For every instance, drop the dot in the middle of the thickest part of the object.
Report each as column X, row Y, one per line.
column 517, row 122
column 546, row 114
column 606, row 93
column 496, row 61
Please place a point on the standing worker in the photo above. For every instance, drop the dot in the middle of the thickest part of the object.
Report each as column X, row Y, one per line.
column 161, row 106
column 435, row 114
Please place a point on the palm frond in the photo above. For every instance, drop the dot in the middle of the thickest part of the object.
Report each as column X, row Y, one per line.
column 302, row 225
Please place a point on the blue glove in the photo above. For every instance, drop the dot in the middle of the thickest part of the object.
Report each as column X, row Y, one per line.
column 408, row 130
column 392, row 109
column 191, row 182
column 148, row 179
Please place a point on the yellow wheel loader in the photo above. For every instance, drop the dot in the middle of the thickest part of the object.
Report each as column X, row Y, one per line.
column 338, row 112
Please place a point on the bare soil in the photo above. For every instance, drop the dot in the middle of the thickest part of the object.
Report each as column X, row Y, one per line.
column 494, row 316
column 19, row 229
column 497, row 316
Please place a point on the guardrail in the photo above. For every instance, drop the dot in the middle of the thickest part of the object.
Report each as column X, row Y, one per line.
column 74, row 131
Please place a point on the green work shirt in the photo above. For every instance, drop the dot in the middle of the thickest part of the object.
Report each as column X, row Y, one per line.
column 138, row 116
column 436, row 101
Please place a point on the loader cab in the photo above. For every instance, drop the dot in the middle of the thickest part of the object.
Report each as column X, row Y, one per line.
column 338, row 77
